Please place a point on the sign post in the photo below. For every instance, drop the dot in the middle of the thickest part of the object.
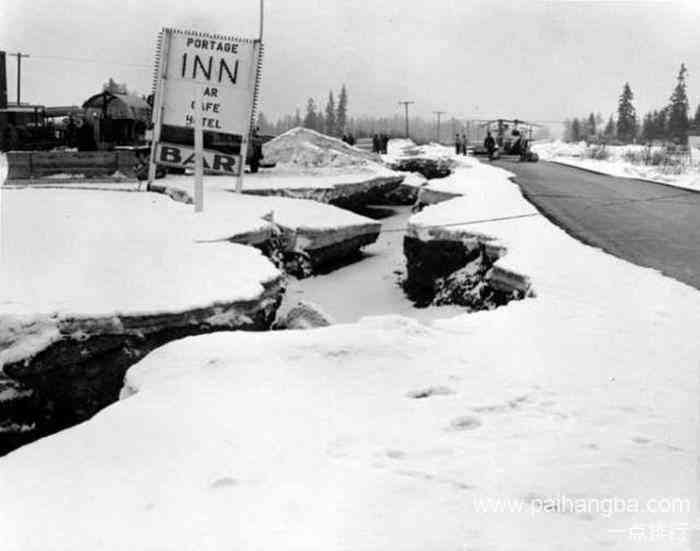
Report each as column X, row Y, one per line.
column 205, row 84
column 198, row 156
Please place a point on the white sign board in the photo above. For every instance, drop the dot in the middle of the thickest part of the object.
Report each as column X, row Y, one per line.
column 215, row 77
column 218, row 72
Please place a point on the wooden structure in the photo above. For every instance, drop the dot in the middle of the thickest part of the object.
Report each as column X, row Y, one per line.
column 26, row 167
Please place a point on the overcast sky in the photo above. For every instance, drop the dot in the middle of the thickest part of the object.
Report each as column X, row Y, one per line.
column 534, row 60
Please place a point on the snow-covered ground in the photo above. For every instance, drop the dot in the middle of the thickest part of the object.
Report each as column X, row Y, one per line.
column 77, row 253
column 557, row 422
column 99, row 250
column 576, row 154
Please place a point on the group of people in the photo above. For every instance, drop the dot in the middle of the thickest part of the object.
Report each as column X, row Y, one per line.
column 380, row 143
column 348, row 139
column 461, row 144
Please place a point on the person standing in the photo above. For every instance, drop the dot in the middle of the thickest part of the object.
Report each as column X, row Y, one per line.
column 458, row 144
column 464, row 143
column 490, row 145
column 376, row 145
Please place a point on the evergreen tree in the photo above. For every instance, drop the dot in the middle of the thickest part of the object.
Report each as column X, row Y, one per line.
column 115, row 87
column 331, row 126
column 648, row 127
column 696, row 120
column 310, row 119
column 297, row 118
column 320, row 120
column 575, row 130
column 341, row 116
column 610, row 128
column 661, row 124
column 626, row 115
column 678, row 109
column 591, row 126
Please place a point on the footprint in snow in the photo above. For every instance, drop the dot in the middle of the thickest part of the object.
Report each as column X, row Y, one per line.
column 395, row 454
column 466, row 422
column 430, row 391
column 223, row 482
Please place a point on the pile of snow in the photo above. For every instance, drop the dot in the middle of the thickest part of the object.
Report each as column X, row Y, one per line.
column 624, row 161
column 515, row 429
column 307, row 149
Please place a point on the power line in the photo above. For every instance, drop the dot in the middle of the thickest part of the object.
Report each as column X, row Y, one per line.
column 467, row 223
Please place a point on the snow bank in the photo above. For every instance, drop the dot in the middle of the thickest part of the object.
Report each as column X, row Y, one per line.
column 477, row 432
column 618, row 165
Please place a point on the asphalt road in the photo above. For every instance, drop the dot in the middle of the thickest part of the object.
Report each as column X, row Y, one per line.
column 649, row 224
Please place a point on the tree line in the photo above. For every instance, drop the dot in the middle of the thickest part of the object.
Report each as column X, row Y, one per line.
column 670, row 123
column 334, row 119
column 331, row 119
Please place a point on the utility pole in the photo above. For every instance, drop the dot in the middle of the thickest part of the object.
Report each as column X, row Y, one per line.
column 19, row 56
column 405, row 105
column 439, row 114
